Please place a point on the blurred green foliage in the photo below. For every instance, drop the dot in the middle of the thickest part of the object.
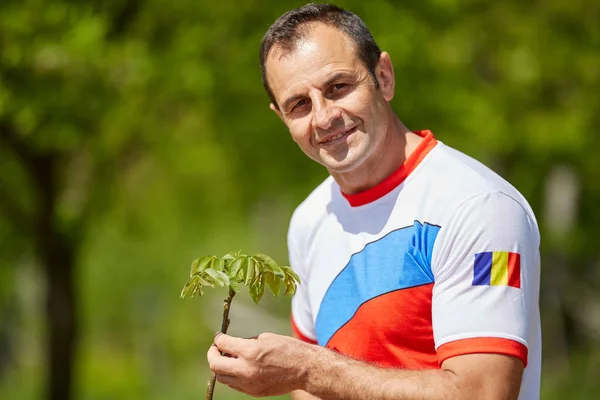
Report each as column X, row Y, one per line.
column 140, row 133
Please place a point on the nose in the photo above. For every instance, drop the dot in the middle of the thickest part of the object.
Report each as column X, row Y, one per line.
column 325, row 112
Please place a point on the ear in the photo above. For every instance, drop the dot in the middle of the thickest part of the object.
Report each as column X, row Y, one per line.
column 385, row 76
column 272, row 107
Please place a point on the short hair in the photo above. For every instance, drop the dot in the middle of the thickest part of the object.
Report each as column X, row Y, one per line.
column 292, row 27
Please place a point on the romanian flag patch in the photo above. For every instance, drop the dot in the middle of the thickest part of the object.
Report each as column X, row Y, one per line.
column 497, row 268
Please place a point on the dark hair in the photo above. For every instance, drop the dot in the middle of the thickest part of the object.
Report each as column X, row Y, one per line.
column 292, row 26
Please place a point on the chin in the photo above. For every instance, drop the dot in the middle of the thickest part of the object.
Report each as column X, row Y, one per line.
column 344, row 166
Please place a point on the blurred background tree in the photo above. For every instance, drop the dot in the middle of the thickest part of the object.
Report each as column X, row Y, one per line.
column 135, row 136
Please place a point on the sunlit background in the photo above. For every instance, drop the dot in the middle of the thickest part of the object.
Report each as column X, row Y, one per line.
column 136, row 136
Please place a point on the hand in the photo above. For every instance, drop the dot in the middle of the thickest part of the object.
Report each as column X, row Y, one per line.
column 268, row 365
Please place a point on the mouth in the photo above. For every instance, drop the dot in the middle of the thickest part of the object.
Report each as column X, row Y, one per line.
column 339, row 136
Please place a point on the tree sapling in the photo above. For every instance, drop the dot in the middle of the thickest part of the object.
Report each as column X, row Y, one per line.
column 233, row 269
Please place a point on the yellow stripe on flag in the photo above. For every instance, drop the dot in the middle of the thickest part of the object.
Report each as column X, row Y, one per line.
column 499, row 269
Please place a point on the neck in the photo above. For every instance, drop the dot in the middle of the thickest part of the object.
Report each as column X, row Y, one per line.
column 390, row 153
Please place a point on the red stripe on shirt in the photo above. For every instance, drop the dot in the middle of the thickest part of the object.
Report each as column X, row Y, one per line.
column 391, row 330
column 299, row 334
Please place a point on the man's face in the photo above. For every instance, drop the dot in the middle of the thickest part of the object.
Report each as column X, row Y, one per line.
column 328, row 99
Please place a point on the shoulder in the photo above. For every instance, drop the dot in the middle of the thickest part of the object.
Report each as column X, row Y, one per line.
column 460, row 181
column 312, row 210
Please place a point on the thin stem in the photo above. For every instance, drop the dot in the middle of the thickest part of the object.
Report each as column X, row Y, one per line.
column 224, row 325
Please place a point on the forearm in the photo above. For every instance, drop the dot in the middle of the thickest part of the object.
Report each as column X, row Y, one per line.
column 337, row 377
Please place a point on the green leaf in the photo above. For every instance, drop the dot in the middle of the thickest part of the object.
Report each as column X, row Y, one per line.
column 258, row 271
column 270, row 264
column 227, row 260
column 219, row 264
column 186, row 289
column 216, row 276
column 204, row 282
column 201, row 264
column 224, row 277
column 235, row 266
column 261, row 287
column 273, row 282
column 249, row 271
column 290, row 272
column 257, row 291
column 197, row 290
column 290, row 288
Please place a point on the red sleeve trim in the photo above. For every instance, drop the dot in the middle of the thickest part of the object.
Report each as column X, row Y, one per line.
column 482, row 345
column 299, row 334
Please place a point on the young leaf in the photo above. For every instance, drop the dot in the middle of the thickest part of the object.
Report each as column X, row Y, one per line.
column 249, row 271
column 197, row 290
column 273, row 283
column 235, row 266
column 270, row 264
column 203, row 281
column 219, row 264
column 258, row 269
column 261, row 287
column 227, row 260
column 234, row 285
column 200, row 264
column 224, row 277
column 290, row 286
column 186, row 289
column 217, row 277
column 257, row 290
column 289, row 271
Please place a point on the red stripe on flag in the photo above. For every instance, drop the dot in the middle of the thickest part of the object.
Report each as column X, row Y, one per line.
column 514, row 270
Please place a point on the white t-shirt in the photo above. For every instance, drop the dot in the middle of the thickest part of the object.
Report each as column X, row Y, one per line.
column 440, row 259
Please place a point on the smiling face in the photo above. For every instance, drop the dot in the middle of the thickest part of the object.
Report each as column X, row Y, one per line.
column 328, row 99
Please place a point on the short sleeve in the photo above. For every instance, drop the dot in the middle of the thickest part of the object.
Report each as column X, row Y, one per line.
column 486, row 269
column 301, row 318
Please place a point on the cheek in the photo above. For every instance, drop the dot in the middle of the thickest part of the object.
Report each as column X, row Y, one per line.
column 358, row 104
column 300, row 131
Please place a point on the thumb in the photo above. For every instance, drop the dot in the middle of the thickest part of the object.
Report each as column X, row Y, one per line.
column 229, row 344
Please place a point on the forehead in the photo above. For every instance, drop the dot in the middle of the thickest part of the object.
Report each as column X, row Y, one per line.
column 322, row 51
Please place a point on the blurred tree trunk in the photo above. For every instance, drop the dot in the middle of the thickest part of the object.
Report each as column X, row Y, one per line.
column 57, row 260
column 55, row 250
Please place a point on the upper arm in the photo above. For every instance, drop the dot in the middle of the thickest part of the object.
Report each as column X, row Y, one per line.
column 486, row 376
column 485, row 297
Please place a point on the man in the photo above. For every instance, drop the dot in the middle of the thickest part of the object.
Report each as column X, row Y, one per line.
column 419, row 266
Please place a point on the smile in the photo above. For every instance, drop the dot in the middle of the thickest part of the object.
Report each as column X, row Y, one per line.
column 340, row 135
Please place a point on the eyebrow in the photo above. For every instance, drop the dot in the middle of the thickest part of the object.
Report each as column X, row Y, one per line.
column 328, row 82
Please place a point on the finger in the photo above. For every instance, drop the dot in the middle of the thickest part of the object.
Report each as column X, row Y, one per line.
column 229, row 344
column 220, row 364
column 229, row 380
column 239, row 389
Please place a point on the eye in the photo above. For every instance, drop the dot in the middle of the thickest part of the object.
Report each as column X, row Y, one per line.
column 299, row 104
column 338, row 86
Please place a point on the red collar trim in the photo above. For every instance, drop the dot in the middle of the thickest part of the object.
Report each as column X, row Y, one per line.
column 398, row 176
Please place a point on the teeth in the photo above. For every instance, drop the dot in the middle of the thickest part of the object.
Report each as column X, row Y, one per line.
column 336, row 137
